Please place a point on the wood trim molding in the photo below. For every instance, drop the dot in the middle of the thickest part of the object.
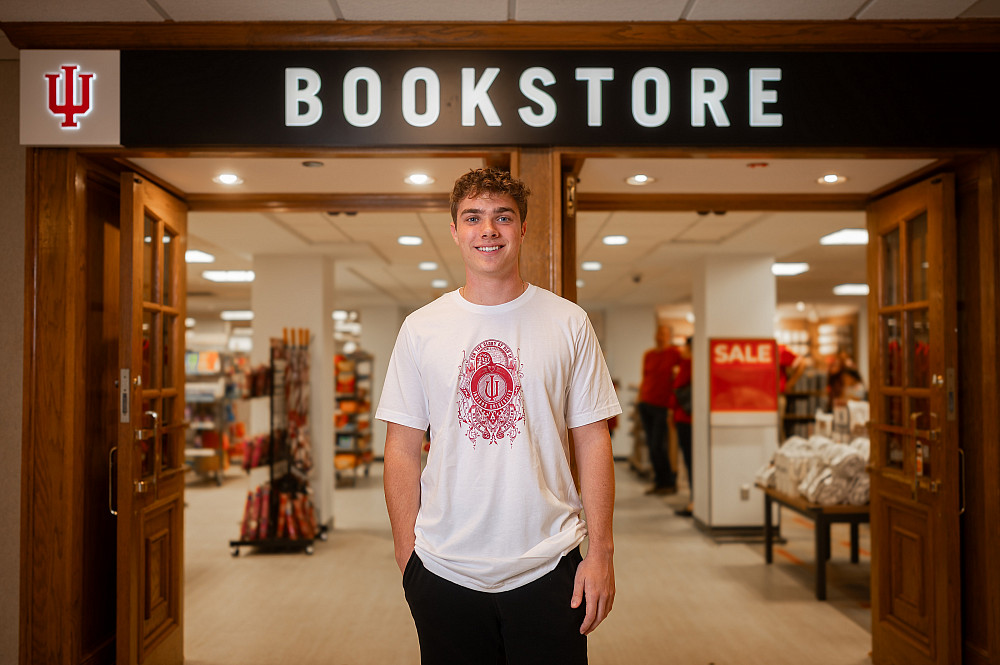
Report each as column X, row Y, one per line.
column 684, row 202
column 318, row 202
column 954, row 35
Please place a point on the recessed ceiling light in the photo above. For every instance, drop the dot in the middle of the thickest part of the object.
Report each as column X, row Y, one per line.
column 591, row 265
column 639, row 179
column 428, row 265
column 198, row 256
column 846, row 237
column 228, row 179
column 242, row 332
column 800, row 306
column 418, row 179
column 312, row 164
column 580, row 283
column 340, row 315
column 615, row 240
column 851, row 290
column 831, row 179
column 228, row 275
column 439, row 284
column 789, row 269
column 689, row 317
column 189, row 322
column 237, row 315
column 410, row 241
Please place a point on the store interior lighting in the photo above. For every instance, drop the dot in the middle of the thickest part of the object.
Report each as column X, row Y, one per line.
column 228, row 179
column 439, row 283
column 615, row 240
column 410, row 241
column 236, row 315
column 846, row 237
column 639, row 179
column 418, row 179
column 228, row 275
column 428, row 265
column 851, row 290
column 789, row 269
column 198, row 256
column 591, row 266
column 831, row 179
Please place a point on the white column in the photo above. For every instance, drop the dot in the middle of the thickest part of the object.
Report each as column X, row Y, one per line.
column 297, row 292
column 630, row 331
column 733, row 296
column 379, row 328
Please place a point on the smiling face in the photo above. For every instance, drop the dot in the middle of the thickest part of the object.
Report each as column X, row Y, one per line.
column 488, row 231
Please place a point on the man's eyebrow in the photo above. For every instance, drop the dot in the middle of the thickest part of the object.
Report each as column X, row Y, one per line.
column 480, row 211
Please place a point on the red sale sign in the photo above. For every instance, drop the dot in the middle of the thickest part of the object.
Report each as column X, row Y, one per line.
column 743, row 375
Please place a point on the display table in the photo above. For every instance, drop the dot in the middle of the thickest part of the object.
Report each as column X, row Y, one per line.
column 823, row 516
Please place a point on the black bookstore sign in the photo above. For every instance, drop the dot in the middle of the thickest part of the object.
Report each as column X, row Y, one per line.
column 572, row 98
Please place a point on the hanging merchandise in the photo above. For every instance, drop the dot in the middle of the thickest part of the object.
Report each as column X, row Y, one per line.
column 280, row 513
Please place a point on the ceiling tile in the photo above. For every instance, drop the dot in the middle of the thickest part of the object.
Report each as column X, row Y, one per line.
column 74, row 10
column 337, row 175
column 426, row 10
column 600, row 10
column 773, row 10
column 983, row 9
column 742, row 176
column 890, row 10
column 248, row 10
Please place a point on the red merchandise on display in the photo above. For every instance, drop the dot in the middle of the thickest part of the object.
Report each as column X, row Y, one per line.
column 247, row 512
column 264, row 522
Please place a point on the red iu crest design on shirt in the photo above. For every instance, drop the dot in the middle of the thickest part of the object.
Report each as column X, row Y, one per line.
column 489, row 400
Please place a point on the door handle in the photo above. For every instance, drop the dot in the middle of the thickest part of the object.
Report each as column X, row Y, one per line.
column 143, row 486
column 141, row 434
column 918, row 453
column 111, row 481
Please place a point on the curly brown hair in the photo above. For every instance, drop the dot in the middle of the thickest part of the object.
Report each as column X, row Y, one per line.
column 489, row 181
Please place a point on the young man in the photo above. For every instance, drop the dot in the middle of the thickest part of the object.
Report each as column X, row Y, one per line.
column 488, row 535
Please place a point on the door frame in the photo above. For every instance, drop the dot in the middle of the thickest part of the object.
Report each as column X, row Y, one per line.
column 55, row 219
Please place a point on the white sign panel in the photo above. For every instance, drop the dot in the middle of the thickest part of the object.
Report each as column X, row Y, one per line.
column 70, row 98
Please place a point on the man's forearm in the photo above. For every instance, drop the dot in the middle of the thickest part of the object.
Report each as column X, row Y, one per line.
column 401, row 479
column 597, row 483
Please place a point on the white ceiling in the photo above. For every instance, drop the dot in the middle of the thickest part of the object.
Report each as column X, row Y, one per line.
column 654, row 267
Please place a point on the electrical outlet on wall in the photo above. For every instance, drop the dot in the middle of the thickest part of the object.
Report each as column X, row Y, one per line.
column 744, row 492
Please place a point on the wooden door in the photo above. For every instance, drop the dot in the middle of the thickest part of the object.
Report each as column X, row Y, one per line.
column 916, row 579
column 150, row 454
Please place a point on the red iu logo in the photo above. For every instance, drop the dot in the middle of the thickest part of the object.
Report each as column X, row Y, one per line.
column 72, row 104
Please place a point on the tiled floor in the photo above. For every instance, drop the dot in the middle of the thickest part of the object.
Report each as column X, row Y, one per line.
column 683, row 598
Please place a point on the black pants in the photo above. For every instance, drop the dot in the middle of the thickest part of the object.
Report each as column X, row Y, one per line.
column 654, row 423
column 532, row 624
column 684, row 443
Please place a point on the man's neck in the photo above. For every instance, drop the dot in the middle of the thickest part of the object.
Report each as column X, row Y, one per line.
column 493, row 292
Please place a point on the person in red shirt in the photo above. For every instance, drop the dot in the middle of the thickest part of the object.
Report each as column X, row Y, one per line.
column 682, row 418
column 656, row 397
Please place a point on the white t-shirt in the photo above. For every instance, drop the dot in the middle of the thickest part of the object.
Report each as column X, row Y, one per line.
column 499, row 386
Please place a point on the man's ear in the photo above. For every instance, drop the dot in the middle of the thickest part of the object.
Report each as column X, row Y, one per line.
column 454, row 232
column 524, row 228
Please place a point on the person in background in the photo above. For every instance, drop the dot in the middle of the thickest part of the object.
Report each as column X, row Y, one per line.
column 656, row 395
column 682, row 418
column 846, row 385
column 487, row 536
column 790, row 368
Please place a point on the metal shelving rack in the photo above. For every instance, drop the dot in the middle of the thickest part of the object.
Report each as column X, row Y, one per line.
column 285, row 525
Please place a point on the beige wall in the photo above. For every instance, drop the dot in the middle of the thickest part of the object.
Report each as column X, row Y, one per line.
column 11, row 356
